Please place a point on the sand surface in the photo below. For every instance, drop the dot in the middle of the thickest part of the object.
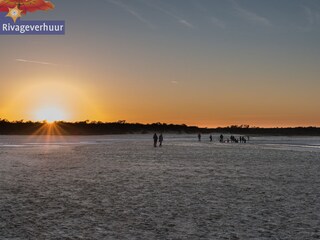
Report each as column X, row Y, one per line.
column 120, row 187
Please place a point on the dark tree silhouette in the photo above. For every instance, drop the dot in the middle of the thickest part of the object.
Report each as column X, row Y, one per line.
column 122, row 127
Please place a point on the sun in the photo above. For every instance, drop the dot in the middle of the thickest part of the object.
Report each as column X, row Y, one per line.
column 50, row 114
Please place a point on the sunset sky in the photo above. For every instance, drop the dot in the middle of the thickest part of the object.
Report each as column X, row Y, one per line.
column 199, row 62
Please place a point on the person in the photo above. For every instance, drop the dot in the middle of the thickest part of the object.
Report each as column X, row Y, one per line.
column 160, row 140
column 155, row 140
column 210, row 138
column 221, row 138
column 199, row 137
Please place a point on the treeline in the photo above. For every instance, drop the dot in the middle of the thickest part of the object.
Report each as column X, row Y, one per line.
column 285, row 131
column 122, row 127
column 90, row 128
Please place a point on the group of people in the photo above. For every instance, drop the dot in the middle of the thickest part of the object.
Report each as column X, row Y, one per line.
column 233, row 139
column 156, row 139
column 222, row 139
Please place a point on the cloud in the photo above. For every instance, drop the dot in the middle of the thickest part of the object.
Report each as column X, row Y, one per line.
column 313, row 17
column 35, row 62
column 217, row 22
column 186, row 23
column 179, row 19
column 174, row 82
column 213, row 20
column 131, row 11
column 249, row 15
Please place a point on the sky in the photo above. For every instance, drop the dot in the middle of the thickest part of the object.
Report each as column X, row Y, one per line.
column 198, row 62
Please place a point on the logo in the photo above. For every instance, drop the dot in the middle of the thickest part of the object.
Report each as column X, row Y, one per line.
column 12, row 12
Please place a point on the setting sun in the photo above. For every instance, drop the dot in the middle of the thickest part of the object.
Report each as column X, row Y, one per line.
column 50, row 114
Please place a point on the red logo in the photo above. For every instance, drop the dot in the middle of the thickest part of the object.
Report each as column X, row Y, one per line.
column 15, row 8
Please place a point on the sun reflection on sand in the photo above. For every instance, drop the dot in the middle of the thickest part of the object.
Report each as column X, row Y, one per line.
column 51, row 130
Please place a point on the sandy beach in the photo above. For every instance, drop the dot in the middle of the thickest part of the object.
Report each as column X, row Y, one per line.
column 120, row 187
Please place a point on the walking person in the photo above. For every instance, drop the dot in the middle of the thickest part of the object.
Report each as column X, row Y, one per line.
column 199, row 137
column 155, row 140
column 160, row 140
column 210, row 138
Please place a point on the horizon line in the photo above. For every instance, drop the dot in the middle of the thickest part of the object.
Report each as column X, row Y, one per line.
column 243, row 126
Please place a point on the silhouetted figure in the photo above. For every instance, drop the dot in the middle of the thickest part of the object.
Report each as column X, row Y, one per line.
column 210, row 138
column 160, row 140
column 155, row 140
column 199, row 137
column 232, row 139
column 221, row 138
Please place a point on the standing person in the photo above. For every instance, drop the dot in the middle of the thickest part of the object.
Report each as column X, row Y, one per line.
column 199, row 137
column 155, row 140
column 160, row 140
column 210, row 138
column 221, row 138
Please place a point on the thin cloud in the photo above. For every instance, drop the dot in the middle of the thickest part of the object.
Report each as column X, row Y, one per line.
column 217, row 22
column 313, row 17
column 35, row 62
column 186, row 23
column 131, row 11
column 179, row 19
column 174, row 82
column 250, row 16
column 212, row 19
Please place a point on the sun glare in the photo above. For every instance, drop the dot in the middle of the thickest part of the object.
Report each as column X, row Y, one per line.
column 50, row 114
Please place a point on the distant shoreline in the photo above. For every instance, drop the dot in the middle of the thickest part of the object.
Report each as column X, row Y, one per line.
column 121, row 127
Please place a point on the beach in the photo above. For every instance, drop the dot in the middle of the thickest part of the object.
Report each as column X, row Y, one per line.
column 121, row 187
